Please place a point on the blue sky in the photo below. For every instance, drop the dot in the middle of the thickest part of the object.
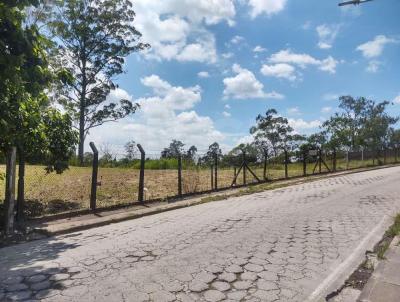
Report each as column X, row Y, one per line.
column 215, row 65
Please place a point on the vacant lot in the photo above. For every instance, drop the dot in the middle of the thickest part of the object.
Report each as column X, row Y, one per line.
column 52, row 193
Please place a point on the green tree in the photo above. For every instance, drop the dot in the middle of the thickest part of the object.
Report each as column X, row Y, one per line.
column 360, row 123
column 94, row 37
column 274, row 131
column 26, row 119
column 130, row 150
column 174, row 150
column 213, row 150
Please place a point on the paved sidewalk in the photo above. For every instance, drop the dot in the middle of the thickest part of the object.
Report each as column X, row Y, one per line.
column 384, row 284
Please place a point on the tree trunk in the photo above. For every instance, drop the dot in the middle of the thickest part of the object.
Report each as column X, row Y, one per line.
column 81, row 138
column 21, row 187
column 10, row 192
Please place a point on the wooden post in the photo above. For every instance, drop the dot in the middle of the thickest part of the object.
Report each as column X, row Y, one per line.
column 286, row 164
column 304, row 163
column 179, row 175
column 265, row 164
column 21, row 186
column 212, row 177
column 334, row 160
column 10, row 191
column 384, row 156
column 244, row 168
column 141, row 173
column 95, row 169
column 234, row 175
column 319, row 160
column 216, row 171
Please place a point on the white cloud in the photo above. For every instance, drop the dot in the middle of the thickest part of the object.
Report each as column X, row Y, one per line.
column 244, row 85
column 327, row 35
column 374, row 48
column 227, row 55
column 373, row 66
column 176, row 27
column 237, row 39
column 397, row 99
column 293, row 111
column 300, row 125
column 227, row 106
column 259, row 48
column 303, row 60
column 203, row 74
column 226, row 114
column 268, row 7
column 330, row 96
column 326, row 109
column 281, row 70
column 167, row 114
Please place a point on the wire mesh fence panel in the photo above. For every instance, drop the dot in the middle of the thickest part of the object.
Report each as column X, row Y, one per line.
column 160, row 177
column 276, row 168
column 117, row 186
column 195, row 176
column 51, row 193
column 226, row 175
column 295, row 168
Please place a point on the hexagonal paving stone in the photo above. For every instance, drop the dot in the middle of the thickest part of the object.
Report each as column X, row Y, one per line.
column 228, row 277
column 242, row 284
column 221, row 286
column 234, row 268
column 213, row 295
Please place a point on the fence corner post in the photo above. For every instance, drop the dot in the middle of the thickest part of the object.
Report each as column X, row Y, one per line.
column 180, row 175
column 9, row 202
column 286, row 164
column 141, row 173
column 95, row 169
column 304, row 163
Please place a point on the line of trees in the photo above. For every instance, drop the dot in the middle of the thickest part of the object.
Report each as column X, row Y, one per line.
column 358, row 124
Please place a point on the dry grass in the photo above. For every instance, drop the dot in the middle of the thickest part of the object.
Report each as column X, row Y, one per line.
column 52, row 193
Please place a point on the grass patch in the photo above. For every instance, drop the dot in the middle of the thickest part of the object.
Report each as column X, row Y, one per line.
column 381, row 249
column 394, row 230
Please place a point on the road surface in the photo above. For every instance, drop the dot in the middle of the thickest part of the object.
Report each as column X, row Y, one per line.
column 288, row 244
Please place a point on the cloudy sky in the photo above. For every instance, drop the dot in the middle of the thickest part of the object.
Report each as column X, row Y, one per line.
column 215, row 65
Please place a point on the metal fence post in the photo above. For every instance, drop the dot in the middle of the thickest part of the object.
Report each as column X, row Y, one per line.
column 216, row 171
column 304, row 163
column 141, row 173
column 286, row 164
column 10, row 191
column 95, row 169
column 179, row 175
column 244, row 168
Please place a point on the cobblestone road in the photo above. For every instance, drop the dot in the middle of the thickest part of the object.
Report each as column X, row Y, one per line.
column 272, row 246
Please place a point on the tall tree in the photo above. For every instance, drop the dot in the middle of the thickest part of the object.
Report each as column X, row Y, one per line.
column 174, row 150
column 360, row 123
column 94, row 37
column 213, row 150
column 130, row 150
column 274, row 130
